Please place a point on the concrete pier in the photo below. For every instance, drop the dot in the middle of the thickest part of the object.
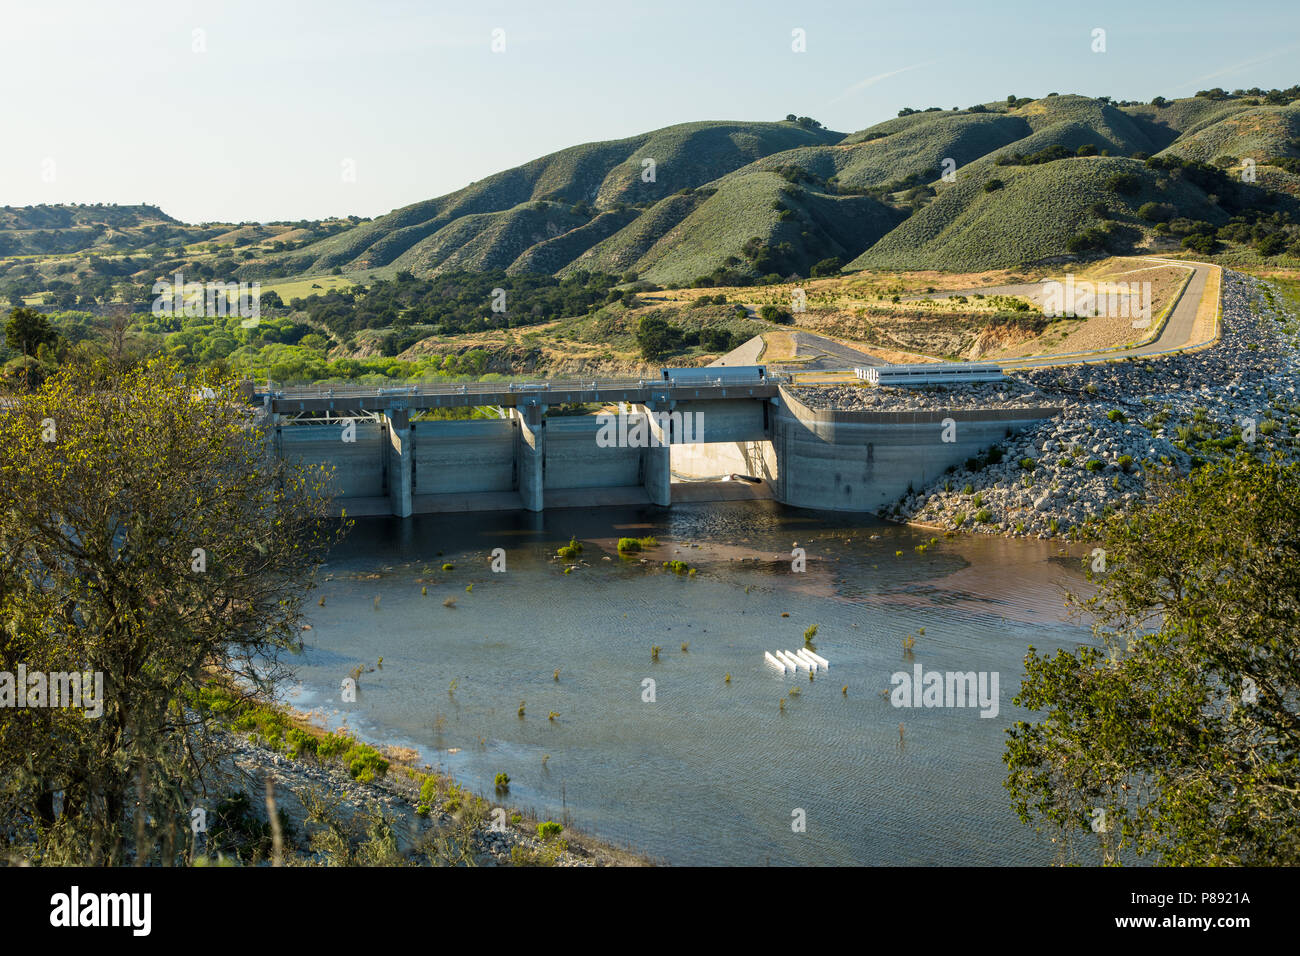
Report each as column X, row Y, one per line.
column 401, row 461
column 530, row 457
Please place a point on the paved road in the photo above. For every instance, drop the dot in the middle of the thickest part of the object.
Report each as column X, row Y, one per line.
column 816, row 352
column 1176, row 335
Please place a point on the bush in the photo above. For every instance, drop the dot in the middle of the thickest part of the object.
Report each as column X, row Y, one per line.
column 332, row 745
column 428, row 796
column 982, row 516
column 301, row 743
column 1201, row 242
column 364, row 762
column 1124, row 183
column 1027, row 464
column 1271, row 245
column 633, row 545
column 1094, row 465
column 570, row 550
column 1115, row 415
column 993, row 185
column 1157, row 211
column 1125, row 461
column 549, row 830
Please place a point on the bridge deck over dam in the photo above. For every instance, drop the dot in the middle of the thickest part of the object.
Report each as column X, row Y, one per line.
column 342, row 400
column 389, row 457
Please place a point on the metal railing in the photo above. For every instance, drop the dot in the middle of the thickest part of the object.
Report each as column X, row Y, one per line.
column 467, row 388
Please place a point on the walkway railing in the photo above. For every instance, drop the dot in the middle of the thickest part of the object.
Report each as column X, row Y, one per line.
column 299, row 392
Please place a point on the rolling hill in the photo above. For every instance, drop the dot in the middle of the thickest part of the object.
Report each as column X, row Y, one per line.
column 758, row 199
column 996, row 185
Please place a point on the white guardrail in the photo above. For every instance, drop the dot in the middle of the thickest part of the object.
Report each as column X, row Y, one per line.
column 937, row 373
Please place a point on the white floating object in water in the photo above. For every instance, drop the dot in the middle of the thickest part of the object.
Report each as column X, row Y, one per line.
column 767, row 656
column 818, row 658
column 803, row 656
column 790, row 659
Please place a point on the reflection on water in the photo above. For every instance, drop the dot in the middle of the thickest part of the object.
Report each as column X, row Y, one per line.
column 710, row 771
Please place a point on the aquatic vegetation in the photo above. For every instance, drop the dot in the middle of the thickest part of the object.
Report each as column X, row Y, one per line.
column 449, row 567
column 502, row 782
column 449, row 602
column 654, row 652
column 521, row 708
column 685, row 647
column 552, row 715
column 633, row 545
column 678, row 567
column 808, row 636
column 570, row 550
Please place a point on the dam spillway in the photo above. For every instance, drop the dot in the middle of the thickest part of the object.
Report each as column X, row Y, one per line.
column 389, row 458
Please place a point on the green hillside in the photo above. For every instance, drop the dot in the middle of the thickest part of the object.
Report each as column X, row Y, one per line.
column 918, row 148
column 735, row 203
column 1031, row 218
column 603, row 174
column 621, row 251
column 761, row 222
column 707, row 203
column 1258, row 132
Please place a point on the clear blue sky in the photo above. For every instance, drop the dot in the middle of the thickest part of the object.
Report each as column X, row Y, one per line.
column 258, row 125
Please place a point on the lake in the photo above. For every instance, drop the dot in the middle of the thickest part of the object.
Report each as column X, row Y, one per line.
column 693, row 769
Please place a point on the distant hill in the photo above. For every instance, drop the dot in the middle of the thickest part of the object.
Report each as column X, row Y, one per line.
column 107, row 228
column 995, row 185
column 754, row 200
column 492, row 222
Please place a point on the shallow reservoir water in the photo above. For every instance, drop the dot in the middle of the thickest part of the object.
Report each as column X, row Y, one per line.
column 708, row 771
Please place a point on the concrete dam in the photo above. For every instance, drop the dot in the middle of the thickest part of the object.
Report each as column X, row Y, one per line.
column 390, row 456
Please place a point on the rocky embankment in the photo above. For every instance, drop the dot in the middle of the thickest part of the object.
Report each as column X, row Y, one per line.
column 1123, row 421
column 303, row 784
